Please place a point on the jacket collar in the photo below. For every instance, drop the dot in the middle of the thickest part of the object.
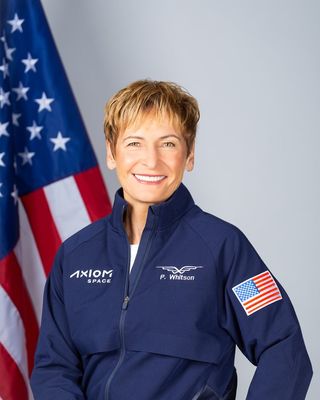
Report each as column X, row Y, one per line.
column 159, row 215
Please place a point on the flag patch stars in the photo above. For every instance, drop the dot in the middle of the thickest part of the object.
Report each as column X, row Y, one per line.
column 257, row 292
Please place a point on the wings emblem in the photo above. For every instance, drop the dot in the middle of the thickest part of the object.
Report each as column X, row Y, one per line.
column 181, row 270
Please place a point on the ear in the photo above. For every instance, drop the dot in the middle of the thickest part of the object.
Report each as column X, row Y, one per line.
column 110, row 160
column 190, row 160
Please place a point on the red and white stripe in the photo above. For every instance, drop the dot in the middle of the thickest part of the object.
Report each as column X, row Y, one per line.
column 47, row 217
column 269, row 293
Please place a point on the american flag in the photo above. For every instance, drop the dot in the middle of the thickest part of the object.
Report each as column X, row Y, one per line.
column 257, row 292
column 50, row 183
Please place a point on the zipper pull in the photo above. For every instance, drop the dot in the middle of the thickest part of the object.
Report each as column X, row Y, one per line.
column 125, row 303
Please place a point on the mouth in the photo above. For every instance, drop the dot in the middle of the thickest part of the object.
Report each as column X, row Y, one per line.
column 149, row 179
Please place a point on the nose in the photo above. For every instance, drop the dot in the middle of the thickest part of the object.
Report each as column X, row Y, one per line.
column 150, row 157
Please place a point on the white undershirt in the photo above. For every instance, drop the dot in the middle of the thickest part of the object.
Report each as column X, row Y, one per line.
column 133, row 253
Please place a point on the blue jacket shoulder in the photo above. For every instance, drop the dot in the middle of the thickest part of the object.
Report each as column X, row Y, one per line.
column 86, row 234
column 212, row 227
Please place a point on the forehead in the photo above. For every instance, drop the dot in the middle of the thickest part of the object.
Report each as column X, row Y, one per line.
column 153, row 121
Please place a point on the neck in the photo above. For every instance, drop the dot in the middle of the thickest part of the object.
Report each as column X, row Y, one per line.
column 135, row 221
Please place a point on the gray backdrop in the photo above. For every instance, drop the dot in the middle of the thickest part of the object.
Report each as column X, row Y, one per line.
column 254, row 66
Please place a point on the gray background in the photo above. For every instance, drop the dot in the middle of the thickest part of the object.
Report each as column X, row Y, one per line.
column 254, row 67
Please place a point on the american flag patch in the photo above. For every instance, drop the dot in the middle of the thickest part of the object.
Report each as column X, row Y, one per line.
column 257, row 292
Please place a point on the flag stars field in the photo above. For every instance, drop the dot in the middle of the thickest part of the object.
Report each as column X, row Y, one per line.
column 8, row 51
column 30, row 63
column 3, row 129
column 14, row 194
column 34, row 131
column 21, row 92
column 26, row 156
column 44, row 102
column 60, row 142
column 16, row 23
column 4, row 98
column 2, row 164
column 15, row 118
column 4, row 68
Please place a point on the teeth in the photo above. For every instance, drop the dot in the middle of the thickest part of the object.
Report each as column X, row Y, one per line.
column 149, row 178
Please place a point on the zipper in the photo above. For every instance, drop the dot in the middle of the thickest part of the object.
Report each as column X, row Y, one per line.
column 148, row 245
column 124, row 307
column 121, row 324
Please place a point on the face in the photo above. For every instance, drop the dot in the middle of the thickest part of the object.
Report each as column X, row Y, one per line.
column 150, row 160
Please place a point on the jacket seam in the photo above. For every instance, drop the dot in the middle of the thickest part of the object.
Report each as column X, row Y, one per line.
column 214, row 261
column 203, row 240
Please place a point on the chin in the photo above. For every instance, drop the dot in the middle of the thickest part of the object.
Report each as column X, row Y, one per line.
column 150, row 194
column 150, row 198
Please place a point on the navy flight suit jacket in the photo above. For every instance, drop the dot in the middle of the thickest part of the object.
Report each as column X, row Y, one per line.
column 168, row 330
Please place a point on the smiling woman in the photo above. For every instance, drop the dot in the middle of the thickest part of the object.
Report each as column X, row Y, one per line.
column 150, row 129
column 150, row 160
column 182, row 287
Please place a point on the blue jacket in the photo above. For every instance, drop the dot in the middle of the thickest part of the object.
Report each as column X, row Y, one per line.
column 168, row 330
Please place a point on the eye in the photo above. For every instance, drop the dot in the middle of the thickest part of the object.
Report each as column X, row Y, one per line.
column 134, row 144
column 169, row 144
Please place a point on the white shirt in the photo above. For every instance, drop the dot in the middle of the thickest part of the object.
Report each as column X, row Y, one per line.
column 133, row 253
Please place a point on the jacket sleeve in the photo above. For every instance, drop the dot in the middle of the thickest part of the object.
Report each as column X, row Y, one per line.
column 264, row 326
column 57, row 373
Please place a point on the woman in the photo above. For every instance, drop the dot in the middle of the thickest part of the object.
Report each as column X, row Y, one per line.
column 150, row 302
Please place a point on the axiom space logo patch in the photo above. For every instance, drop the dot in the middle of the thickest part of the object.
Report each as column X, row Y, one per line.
column 93, row 275
column 175, row 273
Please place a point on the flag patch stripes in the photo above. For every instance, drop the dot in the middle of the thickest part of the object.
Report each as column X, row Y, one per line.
column 257, row 292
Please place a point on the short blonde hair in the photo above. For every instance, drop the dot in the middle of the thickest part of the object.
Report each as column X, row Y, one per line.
column 165, row 99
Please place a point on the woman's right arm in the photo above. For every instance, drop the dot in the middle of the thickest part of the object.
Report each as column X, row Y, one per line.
column 57, row 372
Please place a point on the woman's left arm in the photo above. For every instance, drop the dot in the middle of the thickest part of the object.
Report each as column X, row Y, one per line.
column 261, row 319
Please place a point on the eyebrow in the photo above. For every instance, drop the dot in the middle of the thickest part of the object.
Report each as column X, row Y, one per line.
column 132, row 137
column 161, row 138
column 169, row 136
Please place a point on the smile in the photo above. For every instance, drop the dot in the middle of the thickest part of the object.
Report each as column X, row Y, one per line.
column 149, row 178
